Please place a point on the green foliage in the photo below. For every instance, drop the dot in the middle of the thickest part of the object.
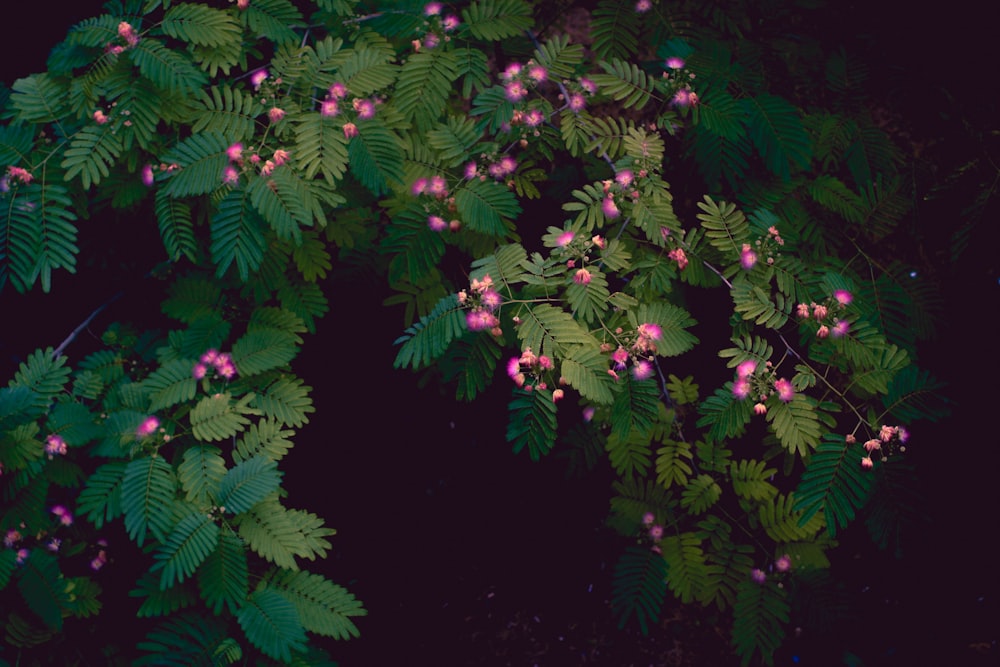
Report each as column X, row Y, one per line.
column 214, row 124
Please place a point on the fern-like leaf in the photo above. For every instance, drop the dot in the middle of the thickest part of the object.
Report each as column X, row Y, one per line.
column 532, row 422
column 759, row 616
column 375, row 156
column 638, row 588
column 186, row 547
column 91, row 154
column 834, row 482
column 224, row 575
column 625, row 83
column 247, row 483
column 200, row 472
column 201, row 25
column 495, row 20
column 324, row 608
column 147, row 493
column 201, row 159
column 428, row 339
column 777, row 132
column 687, row 574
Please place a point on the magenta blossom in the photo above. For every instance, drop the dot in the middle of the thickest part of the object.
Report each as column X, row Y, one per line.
column 785, row 390
column 147, row 427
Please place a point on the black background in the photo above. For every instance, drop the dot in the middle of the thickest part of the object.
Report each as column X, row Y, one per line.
column 466, row 554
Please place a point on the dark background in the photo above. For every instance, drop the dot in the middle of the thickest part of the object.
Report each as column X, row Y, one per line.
column 466, row 554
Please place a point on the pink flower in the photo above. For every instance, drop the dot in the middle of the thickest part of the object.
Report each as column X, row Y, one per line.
column 746, row 369
column 758, row 576
column 685, row 98
column 147, row 175
column 491, row 299
column 275, row 114
column 648, row 518
column 337, row 91
column 642, row 370
column 581, row 277
column 759, row 409
column 22, row 555
column 649, row 330
column 64, row 515
column 20, row 174
column 99, row 561
column 872, row 445
column 624, row 178
column 511, row 71
column 537, row 73
column 235, row 152
column 783, row 564
column 643, row 6
column 329, row 108
column 471, row 170
column 747, row 257
column 609, row 208
column 258, row 77
column 479, row 320
column 840, row 328
column 785, row 390
column 515, row 91
column 677, row 254
column 620, row 356
column 843, row 297
column 365, row 108
column 675, row 63
column 230, row 176
column 823, row 331
column 438, row 186
column 513, row 367
column 558, row 395
column 589, row 86
column 819, row 312
column 656, row 533
column 55, row 445
column 432, row 9
column 350, row 130
column 199, row 371
column 741, row 389
column 449, row 23
column 565, row 239
column 436, row 223
column 242, row 4
column 576, row 103
column 280, row 157
column 101, row 117
column 802, row 311
column 588, row 413
column 599, row 241
column 267, row 168
column 128, row 33
column 147, row 427
column 902, row 434
column 11, row 538
column 867, row 463
column 53, row 545
column 886, row 432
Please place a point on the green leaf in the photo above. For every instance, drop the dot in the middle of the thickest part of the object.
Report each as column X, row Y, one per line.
column 428, row 339
column 174, row 221
column 726, row 416
column 263, row 350
column 532, row 422
column 776, row 130
column 247, row 483
column 638, row 587
column 223, row 577
column 237, row 235
column 273, row 19
column 671, row 467
column 795, row 423
column 200, row 472
column 201, row 25
column 266, row 437
column 614, row 28
column 147, row 495
column 324, row 608
column 43, row 587
column 186, row 547
column 749, row 479
column 39, row 98
column 185, row 640
column 625, row 83
column 169, row 69
column 700, row 493
column 170, row 384
column 200, row 160
column 279, row 534
column 550, row 331
column 486, row 207
column 586, row 370
column 494, row 20
column 783, row 522
column 320, row 147
column 426, row 80
column 91, row 154
column 686, row 568
column 376, row 157
column 834, row 483
column 217, row 417
column 759, row 616
column 272, row 624
column 725, row 226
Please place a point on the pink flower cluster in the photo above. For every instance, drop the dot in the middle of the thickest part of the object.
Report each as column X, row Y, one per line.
column 64, row 515
column 128, row 33
column 825, row 314
column 101, row 559
column 483, row 301
column 888, row 440
column 20, row 174
column 441, row 205
column 221, row 362
column 55, row 446
column 639, row 349
column 147, row 427
column 438, row 27
column 762, row 385
column 530, row 366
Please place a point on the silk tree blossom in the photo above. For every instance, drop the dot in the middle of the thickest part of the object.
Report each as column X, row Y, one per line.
column 872, row 445
column 230, row 176
column 643, row 6
column 147, row 175
column 147, row 427
column 656, row 533
column 643, row 370
column 22, row 555
column 350, row 130
column 802, row 311
column 275, row 114
column 746, row 369
column 365, row 108
column 783, row 564
column 599, row 241
column 588, row 86
column 329, row 108
column 511, row 71
column 258, row 77
column 537, row 73
column 438, row 186
column 582, row 277
column 678, row 255
column 758, row 576
column 565, row 239
column 785, row 390
column 588, row 413
column 515, row 91
column 100, row 117
column 840, row 328
column 432, row 8
column 12, row 538
column 609, row 208
column 128, row 33
column 675, row 63
column 450, row 23
column 648, row 518
column 823, row 331
column 576, row 103
column 534, row 117
column 280, row 157
column 64, row 515
column 650, row 331
column 337, row 90
column 741, row 389
column 684, row 98
column 558, row 395
column 480, row 319
column 235, row 152
column 843, row 297
column 491, row 299
column 55, row 446
column 759, row 409
column 20, row 174
column 624, row 178
column 747, row 257
column 867, row 463
column 436, row 223
column 620, row 356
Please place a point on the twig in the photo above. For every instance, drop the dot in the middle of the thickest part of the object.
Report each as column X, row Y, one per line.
column 83, row 325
